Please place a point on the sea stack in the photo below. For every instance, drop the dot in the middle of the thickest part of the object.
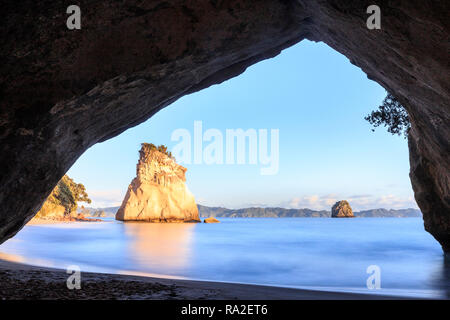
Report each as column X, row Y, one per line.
column 158, row 193
column 342, row 209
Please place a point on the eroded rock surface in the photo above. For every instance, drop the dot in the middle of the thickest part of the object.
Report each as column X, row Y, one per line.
column 158, row 193
column 342, row 209
column 64, row 90
column 52, row 211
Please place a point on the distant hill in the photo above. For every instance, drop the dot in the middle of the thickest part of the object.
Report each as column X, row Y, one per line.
column 391, row 213
column 256, row 212
column 108, row 212
column 259, row 212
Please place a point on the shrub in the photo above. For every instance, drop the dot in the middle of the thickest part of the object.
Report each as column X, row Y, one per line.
column 161, row 148
column 68, row 193
column 392, row 115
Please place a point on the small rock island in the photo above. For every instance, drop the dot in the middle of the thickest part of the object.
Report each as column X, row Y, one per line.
column 342, row 209
column 158, row 193
column 211, row 220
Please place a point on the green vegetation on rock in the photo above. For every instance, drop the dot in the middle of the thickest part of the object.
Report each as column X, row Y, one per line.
column 392, row 115
column 66, row 194
column 146, row 147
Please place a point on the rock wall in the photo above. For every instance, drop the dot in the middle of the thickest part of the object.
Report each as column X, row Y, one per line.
column 158, row 193
column 64, row 90
column 51, row 211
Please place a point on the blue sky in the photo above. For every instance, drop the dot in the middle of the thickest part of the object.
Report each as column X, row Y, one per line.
column 327, row 152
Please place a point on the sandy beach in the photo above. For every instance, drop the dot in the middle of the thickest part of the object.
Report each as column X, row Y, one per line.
column 36, row 222
column 21, row 281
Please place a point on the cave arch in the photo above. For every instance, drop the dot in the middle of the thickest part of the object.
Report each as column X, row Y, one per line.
column 320, row 100
column 65, row 90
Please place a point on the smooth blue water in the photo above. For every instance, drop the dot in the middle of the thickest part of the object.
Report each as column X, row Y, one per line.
column 320, row 253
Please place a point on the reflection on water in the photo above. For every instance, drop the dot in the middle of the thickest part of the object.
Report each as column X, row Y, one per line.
column 314, row 253
column 446, row 276
column 12, row 257
column 442, row 280
column 155, row 246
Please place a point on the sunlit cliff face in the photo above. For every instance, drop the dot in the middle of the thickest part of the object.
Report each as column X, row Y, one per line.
column 158, row 193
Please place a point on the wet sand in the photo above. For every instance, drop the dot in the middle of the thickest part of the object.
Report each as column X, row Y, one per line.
column 21, row 281
column 34, row 222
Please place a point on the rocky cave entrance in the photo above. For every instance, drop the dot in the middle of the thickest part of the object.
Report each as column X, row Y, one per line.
column 321, row 100
column 58, row 100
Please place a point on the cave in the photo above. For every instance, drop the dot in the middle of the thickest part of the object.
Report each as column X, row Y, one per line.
column 64, row 90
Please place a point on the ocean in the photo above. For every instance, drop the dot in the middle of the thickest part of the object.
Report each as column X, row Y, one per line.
column 311, row 253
